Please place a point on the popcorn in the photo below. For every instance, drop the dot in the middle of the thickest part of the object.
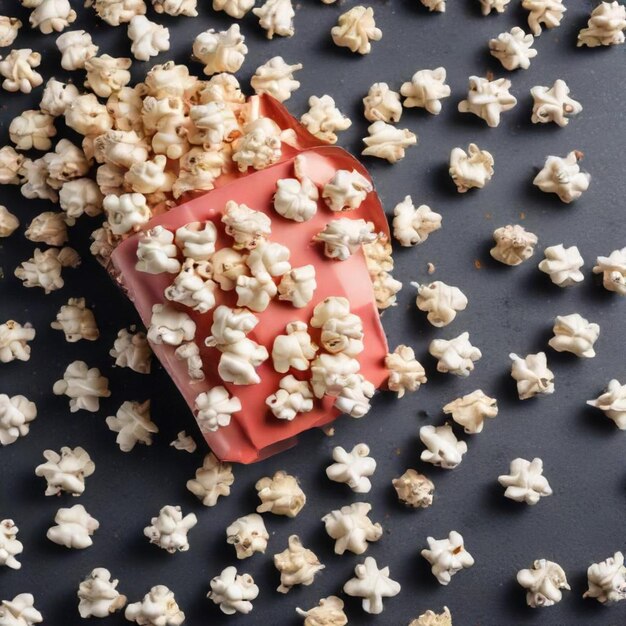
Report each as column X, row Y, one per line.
column 280, row 495
column 44, row 268
column 193, row 287
column 223, row 51
column 329, row 612
column 324, row 119
column 342, row 331
column 382, row 103
column 132, row 424
column 405, row 371
column 87, row 116
column 107, row 74
column 355, row 29
column 546, row 12
column 246, row 226
column 8, row 222
column 573, row 333
column 487, row 6
column 176, row 7
column 57, row 96
column 605, row 26
column 16, row 413
column 167, row 120
column 553, row 104
column 414, row 489
column 98, row 595
column 234, row 8
column 351, row 528
column 31, row 130
column 544, row 582
column 354, row 399
column 455, row 356
column 371, row 584
column 563, row 265
column 228, row 265
column 67, row 162
column 76, row 321
column 150, row 176
column 198, row 171
column 233, row 592
column 298, row 286
column 76, row 47
column 212, row 480
column 156, row 252
column 607, row 580
column 276, row 79
column 35, row 181
column 471, row 410
column 413, row 225
column 51, row 15
column 471, row 169
column 121, row 148
column 158, row 606
column 131, row 349
column 9, row 28
column 343, row 237
column 248, row 534
column 613, row 403
column 170, row 326
column 447, row 556
column 435, row 5
column 532, row 375
column 514, row 244
column 268, row 260
column 440, row 301
column 20, row 611
column 431, row 618
column 276, row 17
column 18, row 71
column 148, row 38
column 563, row 177
column 346, row 190
column 10, row 547
column 443, row 449
column 488, row 99
column 74, row 528
column 66, row 471
column 297, row 565
column 525, row 482
column 214, row 123
column 260, row 145
column 330, row 373
column 10, row 165
column 296, row 198
column 169, row 529
column 426, row 89
column 352, row 468
column 293, row 350
column 116, row 12
column 513, row 49
column 83, row 386
column 613, row 270
column 126, row 213
column 184, row 442
column 190, row 353
column 388, row 142
column 293, row 397
column 215, row 408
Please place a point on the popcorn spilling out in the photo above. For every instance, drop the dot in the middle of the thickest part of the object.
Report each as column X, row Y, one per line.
column 184, row 442
column 472, row 169
column 76, row 321
column 133, row 425
column 613, row 270
column 546, row 13
column 514, row 244
column 131, row 349
column 455, row 356
column 441, row 302
column 281, row 495
column 14, row 340
column 329, row 612
column 426, row 89
column 488, row 99
column 382, row 103
column 605, row 26
column 532, row 375
column 324, row 119
column 20, row 611
column 553, row 104
column 412, row 225
column 430, row 618
column 563, row 265
column 442, row 447
column 513, row 49
column 544, row 582
column 405, row 371
column 355, row 30
column 387, row 142
column 83, row 386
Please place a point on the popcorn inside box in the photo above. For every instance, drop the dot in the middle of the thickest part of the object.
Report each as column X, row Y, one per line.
column 261, row 296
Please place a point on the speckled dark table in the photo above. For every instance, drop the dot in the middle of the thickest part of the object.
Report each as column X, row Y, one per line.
column 510, row 309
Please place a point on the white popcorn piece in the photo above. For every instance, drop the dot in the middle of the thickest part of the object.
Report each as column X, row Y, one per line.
column 298, row 286
column 438, row 6
column 132, row 424
column 447, row 556
column 98, row 595
column 352, row 468
column 297, row 565
column 563, row 265
column 132, row 350
column 268, row 259
column 385, row 288
column 17, row 69
column 228, row 265
column 382, row 103
column 430, row 618
column 514, row 244
column 471, row 169
column 57, row 96
column 255, row 293
column 169, row 80
column 51, row 15
column 412, row 225
column 613, row 403
column 245, row 225
column 223, row 51
column 355, row 30
column 280, row 495
column 248, row 534
column 414, row 489
column 67, row 162
column 525, row 481
column 440, row 301
column 233, row 592
column 405, row 371
column 35, row 181
column 275, row 78
column 190, row 353
column 342, row 331
column 214, row 123
column 156, row 252
column 426, row 89
column 234, row 8
column 330, row 373
column 343, row 237
column 387, row 142
column 346, row 190
column 212, row 480
column 329, row 611
column 355, row 398
column 121, row 148
column 324, row 119
column 613, row 270
column 116, row 12
column 9, row 28
column 158, row 607
column 573, row 333
column 351, row 528
column 10, row 547
column 563, row 177
column 16, row 413
column 49, row 228
column 184, row 442
column 198, row 171
column 74, row 528
column 455, row 356
column 148, row 38
column 169, row 529
column 169, row 326
column 296, row 198
column 276, row 17
column 66, row 471
column 260, row 146
column 14, row 338
column 487, row 6
column 230, row 326
column 293, row 397
column 31, row 130
column 76, row 321
column 372, row 584
column 76, row 47
column 293, row 350
column 11, row 166
column 166, row 118
column 150, row 176
column 443, row 449
column 215, row 408
column 548, row 13
column 488, row 99
column 176, row 8
column 87, row 116
column 471, row 410
column 553, row 104
column 223, row 87
column 607, row 580
column 605, row 27
column 127, row 212
column 20, row 611
column 513, row 49
column 83, row 386
column 8, row 222
column 532, row 375
column 543, row 582
column 107, row 74
column 193, row 287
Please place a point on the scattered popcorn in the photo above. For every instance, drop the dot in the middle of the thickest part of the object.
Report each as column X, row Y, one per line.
column 413, row 225
column 514, row 244
column 126, row 213
column 447, row 556
column 435, row 5
column 31, row 130
column 116, row 12
column 87, row 116
column 259, row 146
column 346, row 190
column 76, row 321
column 488, row 99
column 525, row 482
column 35, row 180
column 443, row 449
column 131, row 349
column 414, row 489
column 280, row 495
column 184, row 442
column 426, row 89
column 150, row 177
column 293, row 397
column 613, row 403
column 544, row 582
column 471, row 410
column 553, row 104
column 245, row 225
column 107, row 74
column 546, row 12
column 487, row 6
column 276, row 79
column 324, row 119
column 215, row 408
column 471, row 169
column 148, row 38
column 98, row 595
column 169, row 326
column 329, row 612
column 371, row 584
column 355, row 29
column 74, row 527
column 351, row 528
column 430, row 618
column 563, row 177
column 14, row 338
column 57, row 96
column 613, row 270
column 11, row 162
column 405, row 371
column 190, row 353
column 51, row 15
column 382, row 103
column 352, row 468
column 607, row 580
column 16, row 413
column 297, row 565
column 18, row 71
column 440, row 301
column 176, row 7
column 248, row 534
column 83, row 386
column 296, row 198
column 573, row 333
column 387, row 142
column 276, row 17
column 563, row 265
column 169, row 529
column 48, row 227
column 66, row 471
column 605, row 26
column 9, row 28
column 513, row 49
column 223, row 51
column 532, row 375
column 76, row 47
column 298, row 286
column 193, row 286
column 233, row 592
column 212, row 480
column 455, row 356
column 343, row 237
column 234, row 8
column 20, row 611
column 157, row 607
column 133, row 424
column 8, row 222
column 10, row 547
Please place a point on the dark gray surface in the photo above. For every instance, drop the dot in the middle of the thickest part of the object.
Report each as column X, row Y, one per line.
column 511, row 309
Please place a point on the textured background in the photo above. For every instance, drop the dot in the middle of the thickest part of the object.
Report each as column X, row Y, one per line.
column 511, row 309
